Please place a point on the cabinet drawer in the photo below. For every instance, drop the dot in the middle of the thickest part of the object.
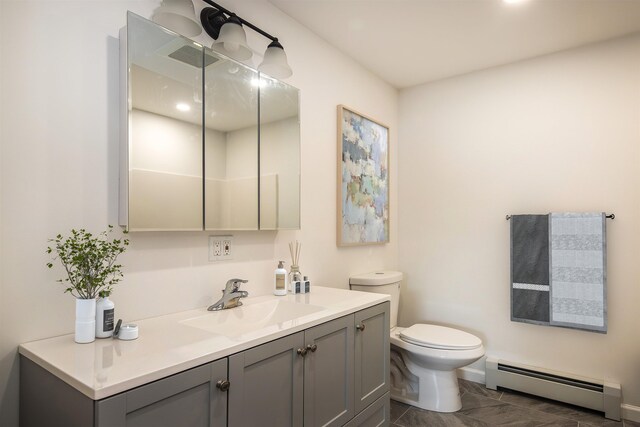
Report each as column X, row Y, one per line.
column 186, row 399
column 377, row 414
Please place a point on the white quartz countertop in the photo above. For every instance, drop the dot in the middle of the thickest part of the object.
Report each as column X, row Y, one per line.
column 173, row 343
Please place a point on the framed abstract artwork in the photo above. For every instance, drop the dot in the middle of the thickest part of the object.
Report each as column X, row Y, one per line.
column 363, row 180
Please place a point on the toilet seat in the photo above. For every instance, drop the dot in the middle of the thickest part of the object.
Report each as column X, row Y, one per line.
column 439, row 337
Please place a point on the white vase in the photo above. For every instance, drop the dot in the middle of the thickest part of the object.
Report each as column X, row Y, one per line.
column 85, row 320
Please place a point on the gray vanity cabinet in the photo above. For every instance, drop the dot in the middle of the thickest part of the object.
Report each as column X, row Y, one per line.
column 332, row 374
column 372, row 365
column 267, row 384
column 328, row 373
column 192, row 398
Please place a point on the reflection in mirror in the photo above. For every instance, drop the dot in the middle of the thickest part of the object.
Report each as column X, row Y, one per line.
column 231, row 146
column 165, row 128
column 279, row 155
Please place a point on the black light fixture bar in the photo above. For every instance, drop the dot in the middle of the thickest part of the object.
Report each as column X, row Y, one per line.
column 206, row 16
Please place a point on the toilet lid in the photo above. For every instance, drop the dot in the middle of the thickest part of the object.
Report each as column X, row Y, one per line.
column 440, row 337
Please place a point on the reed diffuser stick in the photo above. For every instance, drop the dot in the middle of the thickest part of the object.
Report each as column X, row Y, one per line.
column 294, row 250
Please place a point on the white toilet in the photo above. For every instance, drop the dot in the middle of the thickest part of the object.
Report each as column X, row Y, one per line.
column 424, row 358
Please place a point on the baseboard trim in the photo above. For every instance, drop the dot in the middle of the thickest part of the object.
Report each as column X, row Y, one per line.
column 630, row 412
column 471, row 374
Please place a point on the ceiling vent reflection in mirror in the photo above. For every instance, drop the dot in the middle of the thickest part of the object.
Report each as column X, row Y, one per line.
column 192, row 56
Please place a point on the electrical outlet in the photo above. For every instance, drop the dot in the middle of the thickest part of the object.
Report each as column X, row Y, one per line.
column 227, row 245
column 220, row 248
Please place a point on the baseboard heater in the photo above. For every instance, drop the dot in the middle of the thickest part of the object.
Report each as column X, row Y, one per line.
column 589, row 393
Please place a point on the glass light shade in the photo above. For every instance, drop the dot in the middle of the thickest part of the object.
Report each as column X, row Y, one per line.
column 178, row 16
column 232, row 41
column 275, row 62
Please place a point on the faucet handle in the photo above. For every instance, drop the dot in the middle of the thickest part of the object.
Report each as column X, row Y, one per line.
column 235, row 284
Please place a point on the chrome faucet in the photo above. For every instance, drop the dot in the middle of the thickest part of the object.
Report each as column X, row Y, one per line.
column 230, row 296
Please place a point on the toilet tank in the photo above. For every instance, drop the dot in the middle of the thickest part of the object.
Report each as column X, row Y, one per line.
column 380, row 282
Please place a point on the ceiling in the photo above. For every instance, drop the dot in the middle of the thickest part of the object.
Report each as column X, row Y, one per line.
column 409, row 42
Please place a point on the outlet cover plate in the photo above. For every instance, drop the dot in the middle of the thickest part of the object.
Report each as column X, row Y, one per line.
column 221, row 248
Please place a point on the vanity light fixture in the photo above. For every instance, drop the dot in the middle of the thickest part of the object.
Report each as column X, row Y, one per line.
column 275, row 61
column 178, row 16
column 226, row 28
column 232, row 40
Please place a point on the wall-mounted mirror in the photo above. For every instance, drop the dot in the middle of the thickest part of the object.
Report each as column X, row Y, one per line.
column 279, row 155
column 164, row 117
column 206, row 142
column 231, row 146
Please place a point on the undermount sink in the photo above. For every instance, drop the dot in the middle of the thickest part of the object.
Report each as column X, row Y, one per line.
column 251, row 317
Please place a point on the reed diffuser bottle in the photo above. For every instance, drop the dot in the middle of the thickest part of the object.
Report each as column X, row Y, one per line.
column 295, row 277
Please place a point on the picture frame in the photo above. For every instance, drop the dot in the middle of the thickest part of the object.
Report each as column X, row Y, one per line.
column 362, row 179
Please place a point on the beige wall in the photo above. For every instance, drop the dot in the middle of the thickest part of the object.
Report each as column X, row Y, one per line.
column 557, row 133
column 59, row 135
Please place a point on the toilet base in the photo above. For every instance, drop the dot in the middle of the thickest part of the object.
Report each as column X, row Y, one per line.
column 438, row 391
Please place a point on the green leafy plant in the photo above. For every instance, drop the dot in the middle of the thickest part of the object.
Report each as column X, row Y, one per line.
column 89, row 261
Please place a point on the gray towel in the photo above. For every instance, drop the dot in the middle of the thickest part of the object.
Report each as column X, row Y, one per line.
column 578, row 270
column 530, row 268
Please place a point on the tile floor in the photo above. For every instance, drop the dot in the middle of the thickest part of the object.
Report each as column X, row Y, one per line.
column 487, row 408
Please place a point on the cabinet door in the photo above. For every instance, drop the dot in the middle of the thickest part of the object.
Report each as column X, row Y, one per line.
column 371, row 355
column 267, row 384
column 328, row 373
column 188, row 399
column 161, row 180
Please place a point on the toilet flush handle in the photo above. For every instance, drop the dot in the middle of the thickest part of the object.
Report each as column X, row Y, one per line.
column 360, row 327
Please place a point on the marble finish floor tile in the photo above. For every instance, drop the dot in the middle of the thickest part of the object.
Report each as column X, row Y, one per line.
column 476, row 388
column 415, row 417
column 585, row 417
column 511, row 415
column 473, row 401
column 397, row 410
column 483, row 407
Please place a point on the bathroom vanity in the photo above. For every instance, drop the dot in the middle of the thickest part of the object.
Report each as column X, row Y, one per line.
column 318, row 359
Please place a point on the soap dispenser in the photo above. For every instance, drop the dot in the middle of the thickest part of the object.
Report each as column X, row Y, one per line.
column 281, row 280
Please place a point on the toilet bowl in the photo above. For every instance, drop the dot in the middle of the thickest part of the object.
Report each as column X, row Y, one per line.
column 424, row 357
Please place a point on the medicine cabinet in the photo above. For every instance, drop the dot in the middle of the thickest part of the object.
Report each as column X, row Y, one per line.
column 207, row 143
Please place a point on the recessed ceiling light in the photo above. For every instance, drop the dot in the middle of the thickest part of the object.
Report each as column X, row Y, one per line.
column 513, row 1
column 183, row 107
column 258, row 82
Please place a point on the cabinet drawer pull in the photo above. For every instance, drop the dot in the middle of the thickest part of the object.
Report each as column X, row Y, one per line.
column 223, row 385
column 360, row 327
column 312, row 348
column 302, row 352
